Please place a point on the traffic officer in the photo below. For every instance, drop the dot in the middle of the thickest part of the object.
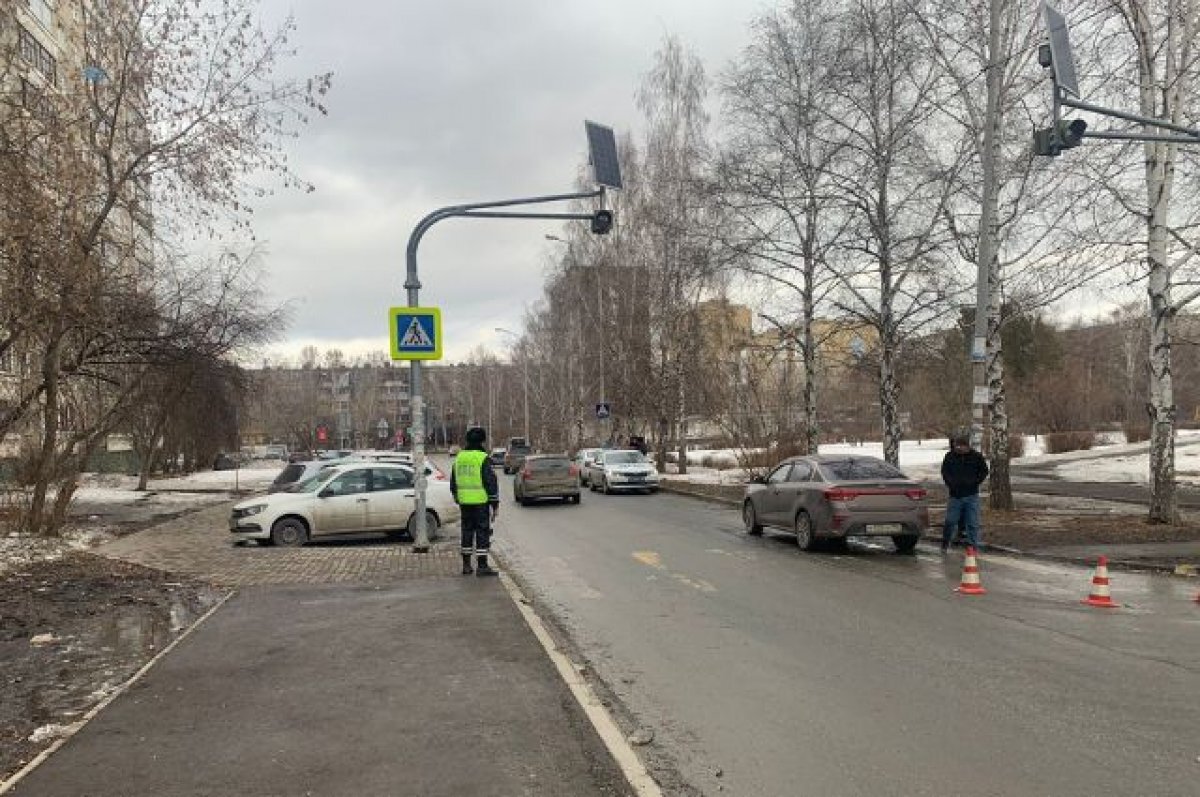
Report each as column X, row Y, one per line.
column 475, row 489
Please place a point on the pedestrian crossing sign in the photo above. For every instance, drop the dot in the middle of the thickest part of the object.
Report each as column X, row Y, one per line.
column 416, row 333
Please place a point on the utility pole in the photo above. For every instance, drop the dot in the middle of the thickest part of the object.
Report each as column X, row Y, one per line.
column 981, row 397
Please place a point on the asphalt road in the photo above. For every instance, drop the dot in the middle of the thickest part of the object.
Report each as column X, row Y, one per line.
column 763, row 670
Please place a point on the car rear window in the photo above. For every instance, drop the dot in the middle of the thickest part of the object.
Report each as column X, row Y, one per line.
column 546, row 465
column 846, row 469
column 519, row 450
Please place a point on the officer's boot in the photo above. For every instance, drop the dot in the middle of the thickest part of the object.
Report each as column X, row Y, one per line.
column 467, row 564
column 481, row 566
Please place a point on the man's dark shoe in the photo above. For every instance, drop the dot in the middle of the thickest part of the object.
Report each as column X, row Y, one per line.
column 485, row 570
column 466, row 571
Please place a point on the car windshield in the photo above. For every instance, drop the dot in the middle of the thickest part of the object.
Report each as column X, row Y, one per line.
column 290, row 474
column 312, row 483
column 623, row 457
column 519, row 450
column 848, row 469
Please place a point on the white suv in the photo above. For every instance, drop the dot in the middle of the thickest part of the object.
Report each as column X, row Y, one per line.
column 348, row 498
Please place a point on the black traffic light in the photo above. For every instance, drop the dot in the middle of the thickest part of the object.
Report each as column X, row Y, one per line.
column 602, row 222
column 1051, row 141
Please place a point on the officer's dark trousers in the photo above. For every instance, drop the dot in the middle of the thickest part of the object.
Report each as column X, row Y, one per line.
column 476, row 529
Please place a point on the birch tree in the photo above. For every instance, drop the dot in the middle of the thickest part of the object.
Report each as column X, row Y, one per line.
column 1150, row 51
column 898, row 184
column 775, row 176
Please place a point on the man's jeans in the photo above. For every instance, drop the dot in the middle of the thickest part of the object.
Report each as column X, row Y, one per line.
column 967, row 508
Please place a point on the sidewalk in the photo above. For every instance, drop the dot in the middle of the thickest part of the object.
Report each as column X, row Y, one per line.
column 431, row 685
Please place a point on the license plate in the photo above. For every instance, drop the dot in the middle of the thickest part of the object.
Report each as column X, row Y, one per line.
column 884, row 528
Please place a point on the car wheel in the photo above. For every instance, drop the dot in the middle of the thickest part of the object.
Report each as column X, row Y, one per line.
column 905, row 543
column 575, row 499
column 289, row 531
column 432, row 525
column 806, row 536
column 750, row 519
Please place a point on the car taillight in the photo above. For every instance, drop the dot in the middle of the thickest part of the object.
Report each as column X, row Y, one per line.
column 526, row 474
column 916, row 494
column 838, row 494
column 574, row 471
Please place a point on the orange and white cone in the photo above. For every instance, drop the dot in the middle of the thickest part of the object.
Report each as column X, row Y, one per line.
column 970, row 576
column 1100, row 596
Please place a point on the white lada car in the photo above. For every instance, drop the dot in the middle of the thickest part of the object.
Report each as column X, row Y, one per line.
column 348, row 498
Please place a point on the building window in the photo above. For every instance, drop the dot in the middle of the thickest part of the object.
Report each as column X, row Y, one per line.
column 38, row 56
column 35, row 101
column 42, row 11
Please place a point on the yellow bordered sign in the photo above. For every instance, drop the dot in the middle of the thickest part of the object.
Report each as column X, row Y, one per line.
column 415, row 332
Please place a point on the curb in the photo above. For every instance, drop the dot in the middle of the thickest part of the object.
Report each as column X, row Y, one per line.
column 606, row 727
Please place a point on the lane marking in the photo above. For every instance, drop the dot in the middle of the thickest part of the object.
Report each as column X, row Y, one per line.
column 650, row 559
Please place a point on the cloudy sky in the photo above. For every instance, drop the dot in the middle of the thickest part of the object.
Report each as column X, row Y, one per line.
column 440, row 102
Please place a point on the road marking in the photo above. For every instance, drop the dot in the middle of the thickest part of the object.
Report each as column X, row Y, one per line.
column 652, row 559
column 610, row 733
column 649, row 558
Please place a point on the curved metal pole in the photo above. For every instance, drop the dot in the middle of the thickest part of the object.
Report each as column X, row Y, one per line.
column 412, row 284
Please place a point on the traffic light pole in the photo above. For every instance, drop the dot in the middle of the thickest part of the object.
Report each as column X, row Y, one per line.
column 412, row 285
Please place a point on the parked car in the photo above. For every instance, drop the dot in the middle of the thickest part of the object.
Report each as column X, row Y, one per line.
column 584, row 458
column 622, row 469
column 346, row 498
column 546, row 476
column 835, row 497
column 225, row 461
column 432, row 471
column 514, row 457
column 296, row 472
column 496, row 457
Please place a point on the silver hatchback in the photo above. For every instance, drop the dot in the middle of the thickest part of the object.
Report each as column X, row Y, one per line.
column 835, row 497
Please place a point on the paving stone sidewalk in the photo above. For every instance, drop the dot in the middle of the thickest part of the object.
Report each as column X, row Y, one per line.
column 199, row 545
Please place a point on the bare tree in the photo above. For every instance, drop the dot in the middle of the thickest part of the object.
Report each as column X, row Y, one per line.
column 775, row 174
column 898, row 184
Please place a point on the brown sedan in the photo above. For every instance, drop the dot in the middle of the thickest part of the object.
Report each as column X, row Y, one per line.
column 835, row 497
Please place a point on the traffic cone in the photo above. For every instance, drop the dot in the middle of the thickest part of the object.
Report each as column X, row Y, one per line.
column 970, row 584
column 1100, row 596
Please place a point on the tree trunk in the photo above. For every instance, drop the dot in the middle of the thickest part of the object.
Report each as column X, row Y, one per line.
column 682, row 412
column 1000, row 479
column 1163, row 508
column 889, row 395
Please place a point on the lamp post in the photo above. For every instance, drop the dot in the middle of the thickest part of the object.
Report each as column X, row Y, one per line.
column 524, row 377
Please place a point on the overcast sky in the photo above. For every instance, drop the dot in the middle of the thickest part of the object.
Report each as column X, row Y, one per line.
column 441, row 102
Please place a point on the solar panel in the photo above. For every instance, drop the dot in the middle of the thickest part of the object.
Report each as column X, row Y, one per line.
column 1060, row 50
column 602, row 150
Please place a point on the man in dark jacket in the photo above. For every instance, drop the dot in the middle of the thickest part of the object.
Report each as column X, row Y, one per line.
column 475, row 489
column 963, row 470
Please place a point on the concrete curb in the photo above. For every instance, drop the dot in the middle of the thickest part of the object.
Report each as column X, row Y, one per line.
column 606, row 727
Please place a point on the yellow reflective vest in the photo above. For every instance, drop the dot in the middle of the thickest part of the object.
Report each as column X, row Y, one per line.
column 468, row 477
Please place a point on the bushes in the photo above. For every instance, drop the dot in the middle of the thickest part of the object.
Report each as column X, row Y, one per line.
column 1058, row 442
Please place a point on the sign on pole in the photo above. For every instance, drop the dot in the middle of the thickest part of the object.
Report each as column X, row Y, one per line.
column 603, row 410
column 415, row 332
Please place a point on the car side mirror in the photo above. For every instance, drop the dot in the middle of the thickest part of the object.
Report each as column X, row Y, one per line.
column 758, row 480
column 325, row 493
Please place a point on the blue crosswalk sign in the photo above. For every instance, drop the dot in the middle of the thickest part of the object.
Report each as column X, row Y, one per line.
column 603, row 410
column 416, row 333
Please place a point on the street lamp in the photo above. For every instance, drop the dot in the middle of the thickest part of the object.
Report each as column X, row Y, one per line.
column 524, row 376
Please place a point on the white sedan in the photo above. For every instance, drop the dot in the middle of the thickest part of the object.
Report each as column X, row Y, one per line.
column 622, row 469
column 348, row 498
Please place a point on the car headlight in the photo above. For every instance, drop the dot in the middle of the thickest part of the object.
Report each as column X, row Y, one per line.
column 250, row 510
